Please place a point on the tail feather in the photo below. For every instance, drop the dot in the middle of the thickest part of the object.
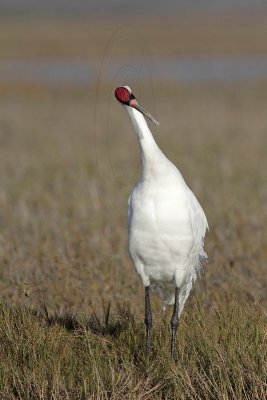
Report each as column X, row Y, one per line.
column 166, row 290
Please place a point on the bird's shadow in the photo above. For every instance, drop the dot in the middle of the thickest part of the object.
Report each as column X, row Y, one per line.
column 101, row 325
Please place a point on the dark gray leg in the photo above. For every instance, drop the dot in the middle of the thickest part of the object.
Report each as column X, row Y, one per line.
column 148, row 320
column 174, row 320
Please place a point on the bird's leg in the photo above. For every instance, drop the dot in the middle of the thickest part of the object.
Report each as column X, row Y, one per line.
column 174, row 320
column 148, row 320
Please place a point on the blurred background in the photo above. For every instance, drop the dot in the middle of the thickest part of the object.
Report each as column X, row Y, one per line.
column 69, row 157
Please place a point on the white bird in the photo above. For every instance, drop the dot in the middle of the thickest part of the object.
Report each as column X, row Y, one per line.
column 166, row 223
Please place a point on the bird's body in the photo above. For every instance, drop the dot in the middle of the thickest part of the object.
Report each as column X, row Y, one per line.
column 166, row 223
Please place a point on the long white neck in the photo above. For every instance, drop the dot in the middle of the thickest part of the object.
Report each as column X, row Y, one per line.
column 149, row 148
column 155, row 165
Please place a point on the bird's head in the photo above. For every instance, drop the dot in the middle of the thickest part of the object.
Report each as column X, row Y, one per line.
column 125, row 96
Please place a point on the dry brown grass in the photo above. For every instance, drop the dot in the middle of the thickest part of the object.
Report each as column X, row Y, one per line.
column 64, row 188
column 65, row 185
column 68, row 160
column 88, row 38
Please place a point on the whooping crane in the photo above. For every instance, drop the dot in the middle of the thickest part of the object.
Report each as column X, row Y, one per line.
column 166, row 224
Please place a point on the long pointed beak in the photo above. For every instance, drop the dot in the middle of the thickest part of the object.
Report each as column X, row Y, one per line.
column 134, row 104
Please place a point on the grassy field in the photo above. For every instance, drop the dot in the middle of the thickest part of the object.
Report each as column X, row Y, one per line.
column 71, row 311
column 189, row 34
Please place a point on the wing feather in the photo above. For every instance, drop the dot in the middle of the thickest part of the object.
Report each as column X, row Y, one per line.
column 199, row 226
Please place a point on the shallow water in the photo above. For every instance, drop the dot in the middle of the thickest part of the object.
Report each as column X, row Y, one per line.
column 180, row 69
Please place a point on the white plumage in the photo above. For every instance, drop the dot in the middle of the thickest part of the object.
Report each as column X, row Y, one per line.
column 166, row 223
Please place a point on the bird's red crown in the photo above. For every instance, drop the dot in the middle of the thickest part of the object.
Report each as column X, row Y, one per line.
column 123, row 95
